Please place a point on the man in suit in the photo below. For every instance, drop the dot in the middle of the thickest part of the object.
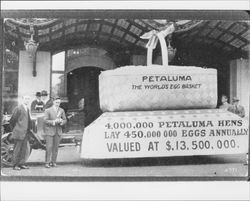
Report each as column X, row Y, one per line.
column 20, row 123
column 54, row 119
column 47, row 100
column 37, row 105
column 236, row 108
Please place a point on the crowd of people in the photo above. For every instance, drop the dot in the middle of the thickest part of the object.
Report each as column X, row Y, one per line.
column 42, row 102
column 235, row 107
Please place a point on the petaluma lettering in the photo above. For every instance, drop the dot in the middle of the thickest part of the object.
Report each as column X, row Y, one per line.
column 168, row 78
column 189, row 124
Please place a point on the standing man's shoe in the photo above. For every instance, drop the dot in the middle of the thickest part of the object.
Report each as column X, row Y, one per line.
column 24, row 167
column 16, row 168
column 47, row 165
column 53, row 164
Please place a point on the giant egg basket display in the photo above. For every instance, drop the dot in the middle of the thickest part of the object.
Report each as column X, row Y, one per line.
column 161, row 111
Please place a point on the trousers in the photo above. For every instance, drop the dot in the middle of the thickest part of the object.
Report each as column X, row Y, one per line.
column 21, row 151
column 52, row 144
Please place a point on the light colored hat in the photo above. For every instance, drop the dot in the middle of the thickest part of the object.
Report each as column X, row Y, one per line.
column 44, row 93
column 235, row 99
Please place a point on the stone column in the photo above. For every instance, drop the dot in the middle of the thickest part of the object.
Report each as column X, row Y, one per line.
column 27, row 83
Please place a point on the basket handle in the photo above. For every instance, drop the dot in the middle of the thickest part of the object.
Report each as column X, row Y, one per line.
column 153, row 37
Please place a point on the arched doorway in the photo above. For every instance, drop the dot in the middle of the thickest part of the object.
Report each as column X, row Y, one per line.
column 83, row 66
column 83, row 83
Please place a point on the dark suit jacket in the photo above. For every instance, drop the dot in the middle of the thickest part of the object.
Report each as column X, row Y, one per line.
column 49, row 117
column 37, row 106
column 48, row 104
column 240, row 111
column 20, row 122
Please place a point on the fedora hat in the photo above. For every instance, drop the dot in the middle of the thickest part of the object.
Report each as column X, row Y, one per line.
column 38, row 94
column 235, row 99
column 44, row 93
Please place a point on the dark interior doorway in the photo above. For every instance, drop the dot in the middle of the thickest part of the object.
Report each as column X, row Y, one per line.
column 83, row 83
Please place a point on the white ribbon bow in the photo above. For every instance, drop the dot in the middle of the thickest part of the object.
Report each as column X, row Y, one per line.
column 153, row 36
column 152, row 39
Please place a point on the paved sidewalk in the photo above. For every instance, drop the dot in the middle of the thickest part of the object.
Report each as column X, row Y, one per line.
column 70, row 165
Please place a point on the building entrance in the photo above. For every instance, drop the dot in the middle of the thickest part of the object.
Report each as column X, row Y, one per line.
column 83, row 83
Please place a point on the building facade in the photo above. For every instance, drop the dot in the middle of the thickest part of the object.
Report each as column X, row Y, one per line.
column 72, row 52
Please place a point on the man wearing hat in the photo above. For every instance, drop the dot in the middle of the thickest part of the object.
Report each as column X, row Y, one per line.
column 37, row 105
column 47, row 102
column 236, row 108
column 225, row 105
